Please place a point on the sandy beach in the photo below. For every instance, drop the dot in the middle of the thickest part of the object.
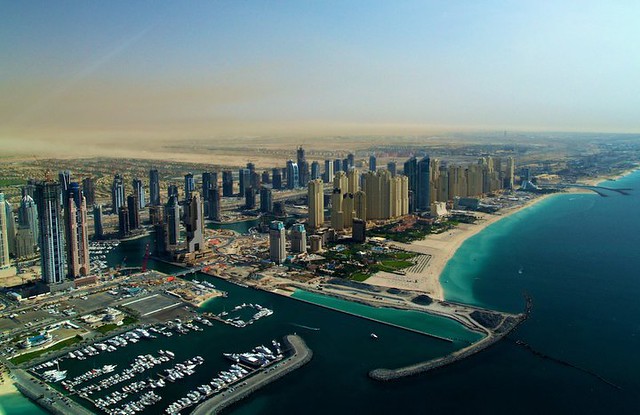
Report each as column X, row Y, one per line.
column 441, row 248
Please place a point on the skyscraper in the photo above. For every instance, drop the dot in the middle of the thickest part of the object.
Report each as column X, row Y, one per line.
column 315, row 170
column 172, row 215
column 328, row 171
column 28, row 214
column 194, row 224
column 50, row 231
column 172, row 190
column 138, row 192
column 117, row 194
column 98, row 229
column 292, row 175
column 227, row 183
column 214, row 203
column 386, row 196
column 353, row 180
column 351, row 161
column 510, row 173
column 76, row 234
column 277, row 242
column 154, row 187
column 337, row 166
column 372, row 162
column 244, row 177
column 392, row 167
column 250, row 198
column 134, row 212
column 360, row 205
column 298, row 238
column 207, row 184
column 265, row 177
column 189, row 186
column 358, row 232
column 266, row 200
column 5, row 262
column 348, row 210
column 315, row 200
column 11, row 227
column 276, row 178
column 336, row 209
column 424, row 184
column 64, row 178
column 123, row 221
column 89, row 190
column 411, row 171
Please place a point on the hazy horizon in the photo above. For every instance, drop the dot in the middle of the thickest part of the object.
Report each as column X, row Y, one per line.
column 95, row 72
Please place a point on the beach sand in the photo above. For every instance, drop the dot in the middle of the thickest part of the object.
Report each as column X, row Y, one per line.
column 441, row 248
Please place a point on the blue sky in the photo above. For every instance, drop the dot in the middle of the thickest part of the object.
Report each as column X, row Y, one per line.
column 211, row 68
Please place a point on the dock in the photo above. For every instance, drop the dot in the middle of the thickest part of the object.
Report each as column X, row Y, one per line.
column 301, row 356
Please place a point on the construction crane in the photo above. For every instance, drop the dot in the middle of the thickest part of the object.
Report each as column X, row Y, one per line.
column 145, row 259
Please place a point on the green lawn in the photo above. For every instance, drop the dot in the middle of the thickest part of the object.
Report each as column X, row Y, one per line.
column 359, row 276
column 106, row 328
column 28, row 356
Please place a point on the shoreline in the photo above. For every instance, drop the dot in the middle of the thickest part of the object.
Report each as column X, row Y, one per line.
column 442, row 247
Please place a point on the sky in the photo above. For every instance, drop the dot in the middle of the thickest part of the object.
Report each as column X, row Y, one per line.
column 198, row 69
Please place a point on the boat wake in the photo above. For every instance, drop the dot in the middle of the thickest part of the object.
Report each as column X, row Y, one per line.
column 305, row 327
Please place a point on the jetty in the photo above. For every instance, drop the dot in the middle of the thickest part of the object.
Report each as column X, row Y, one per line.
column 45, row 396
column 301, row 355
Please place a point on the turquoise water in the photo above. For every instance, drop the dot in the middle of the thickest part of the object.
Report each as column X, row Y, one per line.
column 16, row 403
column 580, row 261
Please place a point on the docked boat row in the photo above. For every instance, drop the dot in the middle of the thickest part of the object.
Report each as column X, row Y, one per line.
column 245, row 364
column 91, row 374
column 237, row 322
column 129, row 408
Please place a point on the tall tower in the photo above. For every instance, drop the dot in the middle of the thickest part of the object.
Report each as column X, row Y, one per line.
column 194, row 224
column 276, row 178
column 98, row 230
column 214, row 203
column 5, row 262
column 360, row 205
column 154, row 187
column 50, row 232
column 227, row 183
column 134, row 212
column 28, row 215
column 266, row 200
column 76, row 234
column 189, row 186
column 123, row 221
column 315, row 170
column 298, row 239
column 392, row 167
column 336, row 209
column 348, row 207
column 353, row 180
column 424, row 184
column 11, row 228
column 510, row 173
column 315, row 198
column 411, row 171
column 89, row 190
column 244, row 176
column 138, row 192
column 64, row 178
column 117, row 194
column 277, row 242
column 172, row 214
column 328, row 171
column 372, row 162
column 293, row 178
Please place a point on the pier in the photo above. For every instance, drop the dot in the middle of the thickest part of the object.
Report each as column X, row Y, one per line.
column 301, row 356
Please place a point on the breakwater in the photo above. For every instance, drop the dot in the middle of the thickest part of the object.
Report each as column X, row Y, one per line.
column 301, row 356
column 46, row 397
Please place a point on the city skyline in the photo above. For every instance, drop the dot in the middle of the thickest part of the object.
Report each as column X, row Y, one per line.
column 100, row 73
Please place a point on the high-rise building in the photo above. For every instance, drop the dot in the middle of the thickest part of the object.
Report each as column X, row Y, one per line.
column 64, row 178
column 358, row 231
column 194, row 224
column 189, row 186
column 207, row 184
column 154, row 187
column 276, row 179
column 292, row 175
column 424, row 184
column 510, row 170
column 172, row 220
column 298, row 238
column 117, row 194
column 315, row 198
column 98, row 229
column 392, row 167
column 411, row 171
column 28, row 214
column 138, row 192
column 11, row 228
column 265, row 177
column 5, row 261
column 315, row 170
column 24, row 244
column 277, row 242
column 172, row 190
column 348, row 210
column 316, row 243
column 50, row 232
column 266, row 200
column 227, row 183
column 372, row 162
column 351, row 161
column 353, row 180
column 337, row 166
column 89, row 190
column 336, row 209
column 386, row 197
column 244, row 177
column 360, row 205
column 134, row 212
column 123, row 222
column 250, row 198
column 328, row 171
column 214, row 204
column 76, row 234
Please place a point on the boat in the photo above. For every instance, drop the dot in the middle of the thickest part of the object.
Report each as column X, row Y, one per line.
column 374, row 336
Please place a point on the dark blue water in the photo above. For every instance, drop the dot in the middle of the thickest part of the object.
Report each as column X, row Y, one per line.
column 579, row 257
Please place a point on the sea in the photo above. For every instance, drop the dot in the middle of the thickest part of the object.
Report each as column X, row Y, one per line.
column 576, row 255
